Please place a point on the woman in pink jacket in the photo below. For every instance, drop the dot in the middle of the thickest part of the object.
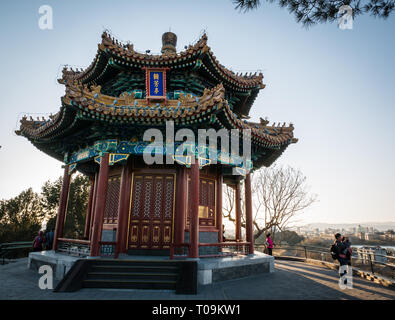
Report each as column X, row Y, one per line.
column 269, row 244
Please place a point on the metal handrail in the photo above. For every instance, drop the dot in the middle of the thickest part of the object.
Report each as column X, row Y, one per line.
column 77, row 241
column 224, row 244
column 368, row 252
column 325, row 250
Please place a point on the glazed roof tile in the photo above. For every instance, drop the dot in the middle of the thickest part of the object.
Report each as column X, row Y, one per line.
column 127, row 52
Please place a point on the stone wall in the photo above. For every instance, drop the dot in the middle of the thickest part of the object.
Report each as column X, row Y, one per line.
column 205, row 237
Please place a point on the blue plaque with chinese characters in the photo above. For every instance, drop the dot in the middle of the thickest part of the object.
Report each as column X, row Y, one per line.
column 156, row 83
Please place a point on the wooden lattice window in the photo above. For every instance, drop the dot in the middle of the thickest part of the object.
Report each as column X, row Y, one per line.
column 112, row 200
column 206, row 202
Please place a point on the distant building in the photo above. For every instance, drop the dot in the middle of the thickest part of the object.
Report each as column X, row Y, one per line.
column 360, row 235
column 389, row 235
column 371, row 236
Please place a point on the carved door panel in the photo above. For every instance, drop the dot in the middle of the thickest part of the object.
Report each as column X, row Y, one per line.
column 151, row 211
column 206, row 202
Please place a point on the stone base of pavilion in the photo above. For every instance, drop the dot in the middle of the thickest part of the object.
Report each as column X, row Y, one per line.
column 60, row 263
column 210, row 270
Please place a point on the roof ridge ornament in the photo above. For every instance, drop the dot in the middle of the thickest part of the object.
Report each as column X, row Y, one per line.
column 169, row 43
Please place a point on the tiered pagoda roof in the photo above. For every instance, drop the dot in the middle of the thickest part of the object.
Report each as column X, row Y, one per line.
column 106, row 101
column 114, row 58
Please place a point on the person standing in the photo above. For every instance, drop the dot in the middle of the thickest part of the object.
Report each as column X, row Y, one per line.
column 49, row 237
column 39, row 242
column 269, row 244
column 338, row 249
column 347, row 249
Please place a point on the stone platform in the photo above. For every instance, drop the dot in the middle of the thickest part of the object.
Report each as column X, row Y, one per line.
column 210, row 270
column 60, row 263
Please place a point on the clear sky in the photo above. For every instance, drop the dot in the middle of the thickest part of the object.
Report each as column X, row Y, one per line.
column 336, row 86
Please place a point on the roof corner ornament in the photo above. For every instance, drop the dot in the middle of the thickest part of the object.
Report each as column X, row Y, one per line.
column 263, row 122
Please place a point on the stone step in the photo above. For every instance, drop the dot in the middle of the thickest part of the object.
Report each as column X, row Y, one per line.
column 129, row 284
column 132, row 275
column 131, row 268
column 119, row 262
column 180, row 276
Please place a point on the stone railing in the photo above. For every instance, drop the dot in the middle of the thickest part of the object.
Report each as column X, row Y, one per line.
column 210, row 250
column 74, row 247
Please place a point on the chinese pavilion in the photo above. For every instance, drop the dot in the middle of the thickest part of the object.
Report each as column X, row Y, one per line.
column 99, row 129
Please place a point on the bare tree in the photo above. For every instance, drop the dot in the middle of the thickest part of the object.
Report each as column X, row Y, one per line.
column 278, row 194
column 229, row 203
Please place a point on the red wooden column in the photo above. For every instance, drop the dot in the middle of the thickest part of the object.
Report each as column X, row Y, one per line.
column 238, row 211
column 194, row 222
column 100, row 203
column 64, row 196
column 248, row 206
column 93, row 205
column 181, row 197
column 123, row 210
column 219, row 208
column 89, row 209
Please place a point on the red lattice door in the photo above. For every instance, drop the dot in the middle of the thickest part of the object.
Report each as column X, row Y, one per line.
column 151, row 211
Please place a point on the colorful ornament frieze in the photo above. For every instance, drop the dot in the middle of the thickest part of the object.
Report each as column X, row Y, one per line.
column 113, row 158
column 120, row 151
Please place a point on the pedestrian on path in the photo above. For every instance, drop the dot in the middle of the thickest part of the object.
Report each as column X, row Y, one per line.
column 269, row 244
column 338, row 251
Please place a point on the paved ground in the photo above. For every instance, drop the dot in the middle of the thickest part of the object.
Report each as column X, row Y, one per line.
column 291, row 280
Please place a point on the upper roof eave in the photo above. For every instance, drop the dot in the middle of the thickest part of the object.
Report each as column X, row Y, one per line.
column 196, row 51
